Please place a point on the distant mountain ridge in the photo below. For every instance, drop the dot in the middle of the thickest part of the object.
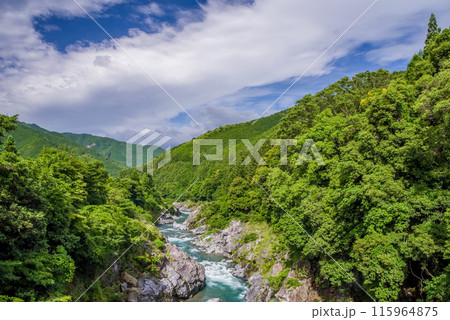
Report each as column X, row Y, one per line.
column 111, row 148
column 31, row 139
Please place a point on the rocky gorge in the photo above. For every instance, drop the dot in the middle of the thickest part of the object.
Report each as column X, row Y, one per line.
column 243, row 262
column 155, row 271
column 221, row 284
column 259, row 260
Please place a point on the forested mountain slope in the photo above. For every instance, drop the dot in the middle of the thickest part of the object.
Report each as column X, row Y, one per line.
column 63, row 220
column 175, row 176
column 31, row 140
column 379, row 205
column 110, row 148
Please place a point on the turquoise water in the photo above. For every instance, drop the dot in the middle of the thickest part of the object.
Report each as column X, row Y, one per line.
column 220, row 283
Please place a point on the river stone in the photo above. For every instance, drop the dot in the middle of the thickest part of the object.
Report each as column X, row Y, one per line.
column 180, row 226
column 165, row 219
column 179, row 278
column 215, row 300
column 127, row 278
column 132, row 295
column 180, row 207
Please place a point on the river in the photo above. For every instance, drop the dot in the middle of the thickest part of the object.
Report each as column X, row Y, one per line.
column 220, row 283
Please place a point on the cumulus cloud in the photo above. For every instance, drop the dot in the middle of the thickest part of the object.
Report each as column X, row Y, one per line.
column 205, row 63
column 151, row 9
column 102, row 61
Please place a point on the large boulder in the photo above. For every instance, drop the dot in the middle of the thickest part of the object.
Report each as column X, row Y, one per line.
column 165, row 219
column 132, row 295
column 125, row 277
column 180, row 226
column 187, row 276
column 181, row 277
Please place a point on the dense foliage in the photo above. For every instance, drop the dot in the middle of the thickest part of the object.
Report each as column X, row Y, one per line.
column 179, row 173
column 63, row 219
column 379, row 205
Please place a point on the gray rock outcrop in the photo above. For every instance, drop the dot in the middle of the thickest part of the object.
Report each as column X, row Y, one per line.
column 240, row 271
column 180, row 226
column 259, row 289
column 180, row 278
column 165, row 219
column 200, row 230
column 224, row 242
column 184, row 273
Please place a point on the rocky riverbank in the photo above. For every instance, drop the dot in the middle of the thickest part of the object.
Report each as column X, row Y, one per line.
column 156, row 270
column 220, row 283
column 179, row 278
column 260, row 260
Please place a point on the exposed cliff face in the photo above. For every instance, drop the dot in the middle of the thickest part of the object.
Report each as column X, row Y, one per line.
column 155, row 271
column 259, row 259
column 179, row 278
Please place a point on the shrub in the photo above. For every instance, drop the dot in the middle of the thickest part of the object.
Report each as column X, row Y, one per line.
column 249, row 237
column 293, row 283
column 159, row 244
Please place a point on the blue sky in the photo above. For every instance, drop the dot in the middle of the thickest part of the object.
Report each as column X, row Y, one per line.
column 223, row 61
column 116, row 19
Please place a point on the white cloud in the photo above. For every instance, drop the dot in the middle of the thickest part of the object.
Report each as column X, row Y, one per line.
column 51, row 27
column 151, row 9
column 102, row 61
column 205, row 63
